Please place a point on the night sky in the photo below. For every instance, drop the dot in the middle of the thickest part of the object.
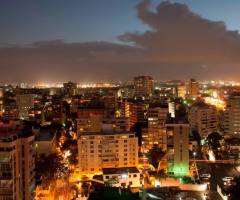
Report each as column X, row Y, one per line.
column 93, row 40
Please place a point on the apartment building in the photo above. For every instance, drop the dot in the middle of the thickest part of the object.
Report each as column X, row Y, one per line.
column 156, row 131
column 17, row 164
column 232, row 116
column 107, row 148
column 203, row 118
column 177, row 147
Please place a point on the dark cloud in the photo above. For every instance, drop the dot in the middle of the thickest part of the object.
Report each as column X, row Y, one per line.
column 57, row 60
column 177, row 34
column 178, row 44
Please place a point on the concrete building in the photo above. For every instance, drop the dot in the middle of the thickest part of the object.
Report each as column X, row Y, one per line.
column 143, row 86
column 94, row 124
column 122, row 177
column 17, row 165
column 156, row 131
column 10, row 109
column 203, row 118
column 171, row 108
column 57, row 108
column 107, row 149
column 89, row 124
column 125, row 108
column 25, row 102
column 232, row 116
column 177, row 147
column 137, row 113
column 45, row 142
column 1, row 101
column 193, row 88
column 118, row 123
column 181, row 90
column 70, row 88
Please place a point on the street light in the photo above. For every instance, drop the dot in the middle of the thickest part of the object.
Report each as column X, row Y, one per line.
column 194, row 155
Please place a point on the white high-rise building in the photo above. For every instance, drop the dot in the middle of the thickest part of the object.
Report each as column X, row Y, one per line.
column 107, row 149
column 177, row 147
column 156, row 131
column 203, row 118
column 232, row 116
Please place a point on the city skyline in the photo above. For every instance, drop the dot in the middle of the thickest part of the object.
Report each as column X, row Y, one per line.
column 166, row 39
column 119, row 99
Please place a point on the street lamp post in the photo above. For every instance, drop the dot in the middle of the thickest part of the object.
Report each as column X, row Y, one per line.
column 194, row 155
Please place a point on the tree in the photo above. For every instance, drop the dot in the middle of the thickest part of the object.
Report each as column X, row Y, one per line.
column 195, row 136
column 235, row 189
column 154, row 155
column 214, row 139
column 47, row 166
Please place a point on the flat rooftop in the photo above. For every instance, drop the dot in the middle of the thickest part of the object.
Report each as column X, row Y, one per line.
column 112, row 132
column 45, row 136
column 121, row 170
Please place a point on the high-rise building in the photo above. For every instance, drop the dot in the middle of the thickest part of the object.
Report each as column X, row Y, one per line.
column 181, row 90
column 143, row 86
column 57, row 108
column 232, row 116
column 193, row 88
column 107, row 149
column 25, row 102
column 171, row 108
column 203, row 118
column 10, row 109
column 137, row 113
column 156, row 131
column 94, row 124
column 1, row 101
column 125, row 108
column 17, row 164
column 177, row 147
column 70, row 88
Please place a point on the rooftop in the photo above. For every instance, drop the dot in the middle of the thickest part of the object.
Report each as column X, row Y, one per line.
column 45, row 136
column 113, row 132
column 122, row 170
column 177, row 120
column 233, row 141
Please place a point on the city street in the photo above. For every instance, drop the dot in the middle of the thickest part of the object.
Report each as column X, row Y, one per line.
column 217, row 171
column 166, row 193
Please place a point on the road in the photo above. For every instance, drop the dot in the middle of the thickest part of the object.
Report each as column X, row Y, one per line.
column 165, row 194
column 217, row 171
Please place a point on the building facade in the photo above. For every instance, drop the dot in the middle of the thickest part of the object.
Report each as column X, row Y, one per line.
column 193, row 88
column 203, row 118
column 156, row 131
column 232, row 116
column 17, row 164
column 143, row 86
column 25, row 102
column 122, row 177
column 177, row 148
column 107, row 149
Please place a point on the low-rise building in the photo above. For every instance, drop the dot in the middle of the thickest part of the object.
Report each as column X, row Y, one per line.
column 45, row 142
column 122, row 177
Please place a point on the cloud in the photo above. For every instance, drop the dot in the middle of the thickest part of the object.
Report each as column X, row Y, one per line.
column 57, row 60
column 179, row 35
column 179, row 44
